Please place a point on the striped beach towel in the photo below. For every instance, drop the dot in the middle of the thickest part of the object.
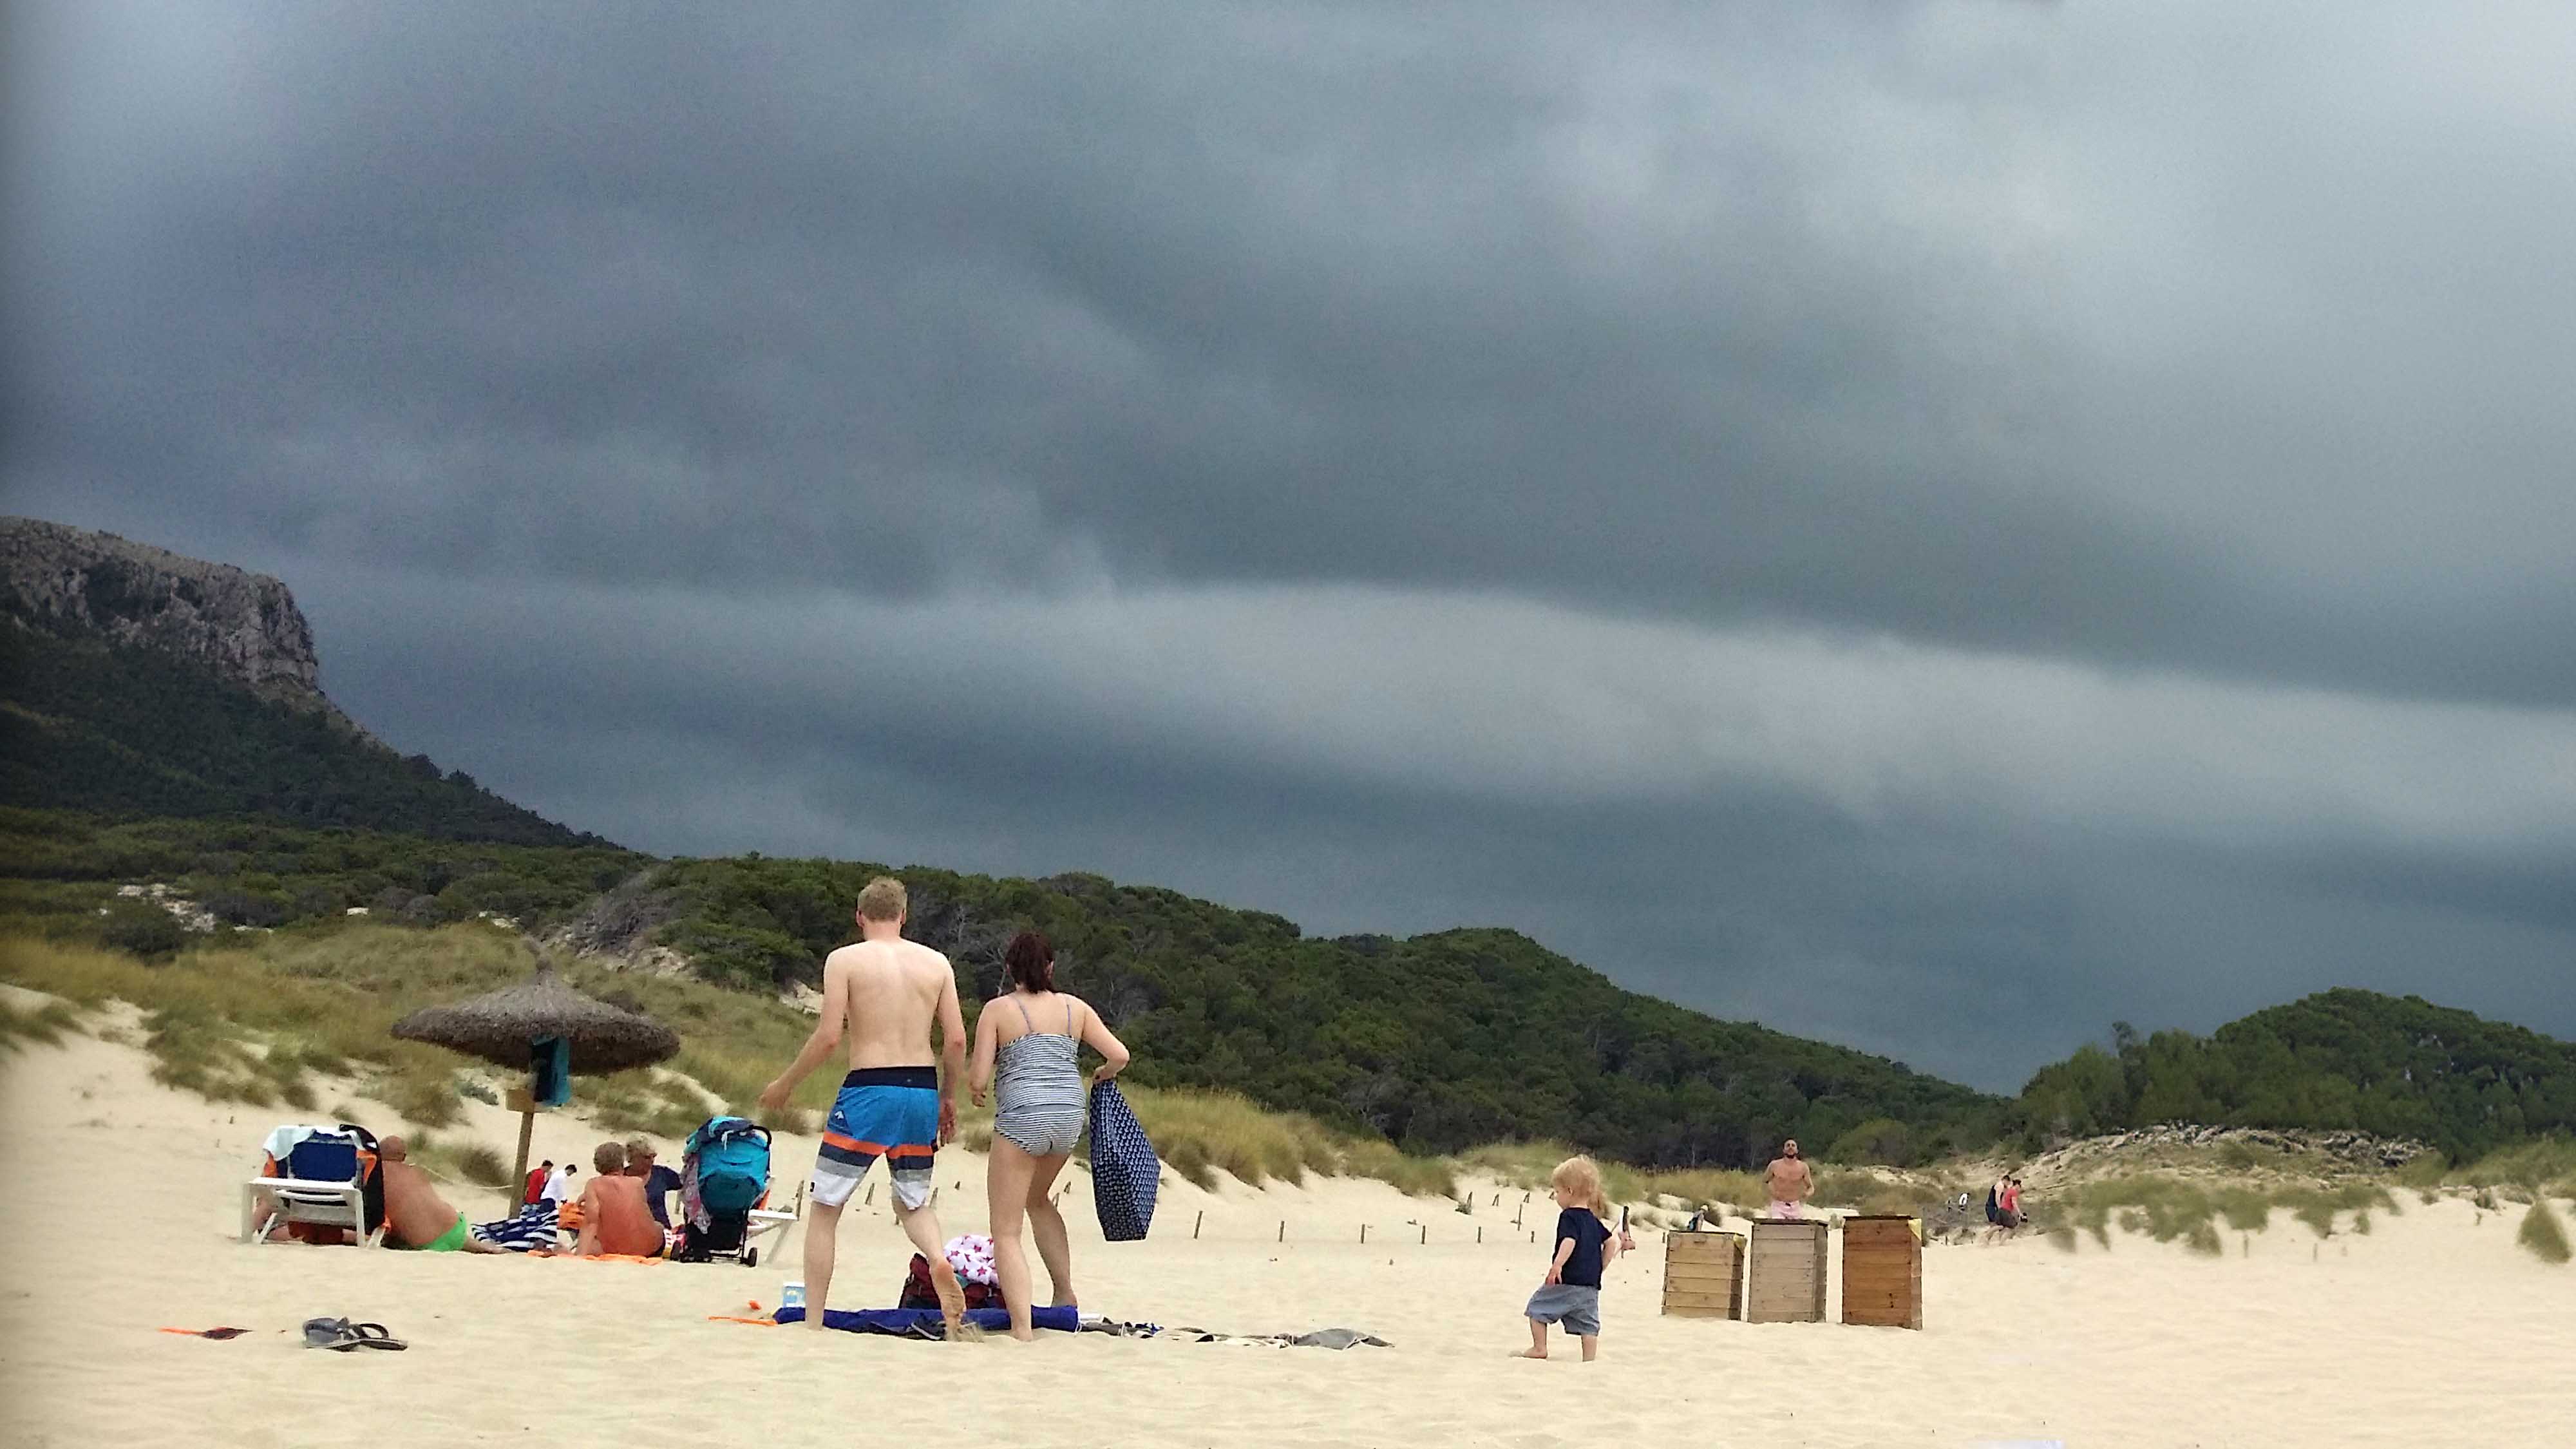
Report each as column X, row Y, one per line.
column 532, row 1229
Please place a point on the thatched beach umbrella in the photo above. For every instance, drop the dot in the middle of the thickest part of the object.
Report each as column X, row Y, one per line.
column 508, row 1026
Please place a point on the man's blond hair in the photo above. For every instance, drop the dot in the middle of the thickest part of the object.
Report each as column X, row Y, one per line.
column 637, row 1147
column 610, row 1158
column 882, row 899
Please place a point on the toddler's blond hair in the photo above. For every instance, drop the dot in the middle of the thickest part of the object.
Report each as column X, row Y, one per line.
column 1582, row 1177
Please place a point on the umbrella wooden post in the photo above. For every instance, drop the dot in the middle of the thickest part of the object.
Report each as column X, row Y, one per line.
column 526, row 1103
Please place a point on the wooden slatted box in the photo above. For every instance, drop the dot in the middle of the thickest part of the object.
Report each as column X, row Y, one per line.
column 1882, row 1272
column 1784, row 1281
column 1703, row 1273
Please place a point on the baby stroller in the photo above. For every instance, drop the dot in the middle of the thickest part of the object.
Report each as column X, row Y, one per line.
column 724, row 1183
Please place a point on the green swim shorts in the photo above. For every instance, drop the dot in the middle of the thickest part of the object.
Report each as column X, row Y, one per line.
column 451, row 1241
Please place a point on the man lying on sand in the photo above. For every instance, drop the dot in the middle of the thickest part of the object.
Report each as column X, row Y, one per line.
column 614, row 1218
column 884, row 992
column 415, row 1215
column 1789, row 1182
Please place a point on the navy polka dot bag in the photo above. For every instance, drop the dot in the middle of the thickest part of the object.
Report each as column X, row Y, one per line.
column 1124, row 1170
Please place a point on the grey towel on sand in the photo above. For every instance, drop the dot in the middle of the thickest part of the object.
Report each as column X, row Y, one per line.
column 1337, row 1338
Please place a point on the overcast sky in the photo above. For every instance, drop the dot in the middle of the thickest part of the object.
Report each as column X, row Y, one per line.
column 1933, row 526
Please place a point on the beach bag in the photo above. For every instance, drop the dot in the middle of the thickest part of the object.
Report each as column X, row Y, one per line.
column 1124, row 1171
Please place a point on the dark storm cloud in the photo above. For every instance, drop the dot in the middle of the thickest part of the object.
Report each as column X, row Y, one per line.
column 1692, row 311
column 1967, row 863
column 2018, row 433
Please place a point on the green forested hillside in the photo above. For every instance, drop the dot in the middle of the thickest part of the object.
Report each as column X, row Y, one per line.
column 1439, row 1041
column 89, row 725
column 2342, row 1059
column 58, row 868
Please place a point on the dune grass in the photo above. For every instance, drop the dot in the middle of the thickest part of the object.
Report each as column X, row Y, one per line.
column 2170, row 1209
column 46, row 1024
column 1196, row 1133
column 276, row 1020
column 2542, row 1164
column 2317, row 1207
column 2542, row 1233
column 470, row 1162
column 1526, row 1165
column 261, row 1023
column 648, row 1100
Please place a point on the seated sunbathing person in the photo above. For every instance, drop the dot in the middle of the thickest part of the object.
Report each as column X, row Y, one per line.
column 614, row 1218
column 415, row 1215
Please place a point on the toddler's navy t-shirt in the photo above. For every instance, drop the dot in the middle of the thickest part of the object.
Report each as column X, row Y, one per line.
column 1583, row 1265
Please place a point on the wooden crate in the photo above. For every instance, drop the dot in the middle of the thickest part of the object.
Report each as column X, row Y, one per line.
column 1785, row 1280
column 1882, row 1272
column 1702, row 1274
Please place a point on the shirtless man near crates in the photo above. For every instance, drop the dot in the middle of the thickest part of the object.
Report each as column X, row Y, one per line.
column 1789, row 1182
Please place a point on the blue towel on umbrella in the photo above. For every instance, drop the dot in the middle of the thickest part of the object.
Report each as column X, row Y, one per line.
column 1124, row 1170
column 925, row 1322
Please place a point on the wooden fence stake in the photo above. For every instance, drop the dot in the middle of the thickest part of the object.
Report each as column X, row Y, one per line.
column 1283, row 1230
column 872, row 1196
column 1195, row 1222
column 1480, row 1235
column 1426, row 1234
column 1363, row 1232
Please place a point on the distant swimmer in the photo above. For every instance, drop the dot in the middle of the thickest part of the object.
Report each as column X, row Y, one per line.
column 1789, row 1182
column 884, row 993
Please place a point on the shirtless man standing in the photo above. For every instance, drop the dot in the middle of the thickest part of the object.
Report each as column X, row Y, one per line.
column 884, row 992
column 1789, row 1182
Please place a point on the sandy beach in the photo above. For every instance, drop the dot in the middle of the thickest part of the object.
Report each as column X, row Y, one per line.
column 2431, row 1329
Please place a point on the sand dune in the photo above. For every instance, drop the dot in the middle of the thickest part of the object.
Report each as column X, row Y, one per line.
column 2432, row 1329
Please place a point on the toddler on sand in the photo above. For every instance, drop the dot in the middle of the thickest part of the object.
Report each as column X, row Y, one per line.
column 1571, row 1292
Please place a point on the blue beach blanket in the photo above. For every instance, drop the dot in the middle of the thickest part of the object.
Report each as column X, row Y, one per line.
column 924, row 1322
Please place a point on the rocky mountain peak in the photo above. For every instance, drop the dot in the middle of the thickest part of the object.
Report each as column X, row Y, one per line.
column 242, row 626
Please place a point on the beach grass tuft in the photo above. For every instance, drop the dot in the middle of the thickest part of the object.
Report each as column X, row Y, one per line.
column 47, row 1024
column 2542, row 1233
column 2318, row 1206
column 2530, row 1165
column 469, row 1162
column 2246, row 1210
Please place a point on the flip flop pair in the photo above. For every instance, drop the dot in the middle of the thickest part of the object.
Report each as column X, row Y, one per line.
column 341, row 1336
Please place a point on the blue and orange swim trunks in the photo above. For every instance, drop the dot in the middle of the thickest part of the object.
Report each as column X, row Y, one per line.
column 888, row 1112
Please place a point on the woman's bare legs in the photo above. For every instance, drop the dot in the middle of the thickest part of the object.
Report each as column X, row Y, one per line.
column 1006, row 1194
column 1054, row 1249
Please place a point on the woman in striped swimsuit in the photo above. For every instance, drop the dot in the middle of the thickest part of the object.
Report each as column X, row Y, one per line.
column 1035, row 1074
